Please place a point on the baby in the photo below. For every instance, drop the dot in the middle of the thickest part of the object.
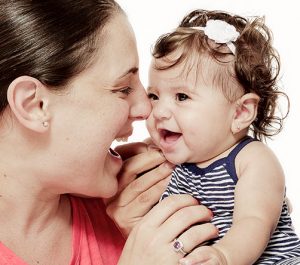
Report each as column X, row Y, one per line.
column 213, row 88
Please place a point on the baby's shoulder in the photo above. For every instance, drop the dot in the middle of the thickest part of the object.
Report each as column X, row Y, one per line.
column 256, row 156
column 255, row 150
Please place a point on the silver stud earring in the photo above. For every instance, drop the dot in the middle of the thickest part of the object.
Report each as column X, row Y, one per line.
column 45, row 124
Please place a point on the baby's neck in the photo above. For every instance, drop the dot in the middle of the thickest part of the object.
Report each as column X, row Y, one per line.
column 225, row 153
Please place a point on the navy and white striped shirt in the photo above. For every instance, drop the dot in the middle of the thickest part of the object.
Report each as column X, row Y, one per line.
column 214, row 187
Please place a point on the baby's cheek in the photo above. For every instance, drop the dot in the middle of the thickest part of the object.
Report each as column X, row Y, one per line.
column 150, row 126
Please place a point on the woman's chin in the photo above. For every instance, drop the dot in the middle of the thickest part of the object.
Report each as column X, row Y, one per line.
column 109, row 178
column 106, row 188
column 109, row 188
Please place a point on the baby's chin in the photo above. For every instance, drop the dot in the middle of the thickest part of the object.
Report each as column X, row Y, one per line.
column 176, row 159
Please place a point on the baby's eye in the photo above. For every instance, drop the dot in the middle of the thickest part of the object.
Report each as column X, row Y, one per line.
column 181, row 96
column 152, row 96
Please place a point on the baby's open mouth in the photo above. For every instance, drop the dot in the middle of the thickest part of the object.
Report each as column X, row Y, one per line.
column 169, row 136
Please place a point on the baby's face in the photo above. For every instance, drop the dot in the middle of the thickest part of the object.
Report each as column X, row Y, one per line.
column 191, row 118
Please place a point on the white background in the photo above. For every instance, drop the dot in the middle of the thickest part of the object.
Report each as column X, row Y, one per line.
column 154, row 17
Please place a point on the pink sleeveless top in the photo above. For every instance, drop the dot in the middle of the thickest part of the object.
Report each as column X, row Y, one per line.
column 96, row 239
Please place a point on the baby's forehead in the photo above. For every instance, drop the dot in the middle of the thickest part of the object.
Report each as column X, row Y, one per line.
column 200, row 66
column 200, row 69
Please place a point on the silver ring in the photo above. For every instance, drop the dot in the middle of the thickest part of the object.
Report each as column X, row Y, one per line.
column 178, row 247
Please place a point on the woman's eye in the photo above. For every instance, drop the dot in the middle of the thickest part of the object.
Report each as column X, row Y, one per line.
column 152, row 96
column 181, row 97
column 126, row 90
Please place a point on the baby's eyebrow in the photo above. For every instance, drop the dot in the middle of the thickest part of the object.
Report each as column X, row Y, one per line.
column 176, row 88
column 182, row 88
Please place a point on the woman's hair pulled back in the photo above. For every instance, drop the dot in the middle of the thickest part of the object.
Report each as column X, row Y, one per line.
column 51, row 40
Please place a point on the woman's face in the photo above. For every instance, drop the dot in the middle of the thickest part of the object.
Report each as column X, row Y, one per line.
column 99, row 106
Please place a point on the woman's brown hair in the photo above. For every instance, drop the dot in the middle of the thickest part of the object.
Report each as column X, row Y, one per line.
column 51, row 40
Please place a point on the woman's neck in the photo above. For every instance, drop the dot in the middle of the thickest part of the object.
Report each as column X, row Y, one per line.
column 38, row 229
column 28, row 207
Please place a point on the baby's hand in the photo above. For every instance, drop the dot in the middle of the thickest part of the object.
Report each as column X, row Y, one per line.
column 205, row 255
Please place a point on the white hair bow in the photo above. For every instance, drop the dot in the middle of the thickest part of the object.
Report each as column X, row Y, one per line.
column 220, row 32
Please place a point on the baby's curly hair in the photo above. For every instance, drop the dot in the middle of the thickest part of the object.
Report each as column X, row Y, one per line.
column 256, row 64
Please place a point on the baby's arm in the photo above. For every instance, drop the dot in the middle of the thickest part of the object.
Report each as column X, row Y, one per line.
column 259, row 196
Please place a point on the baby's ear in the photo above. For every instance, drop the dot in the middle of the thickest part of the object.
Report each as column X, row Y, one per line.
column 245, row 112
column 28, row 102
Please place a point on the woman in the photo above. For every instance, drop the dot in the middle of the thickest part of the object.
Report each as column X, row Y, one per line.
column 69, row 87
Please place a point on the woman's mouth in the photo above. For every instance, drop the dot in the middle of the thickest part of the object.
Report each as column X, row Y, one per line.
column 114, row 153
column 122, row 139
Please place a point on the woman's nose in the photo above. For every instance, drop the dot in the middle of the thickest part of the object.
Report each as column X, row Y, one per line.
column 141, row 108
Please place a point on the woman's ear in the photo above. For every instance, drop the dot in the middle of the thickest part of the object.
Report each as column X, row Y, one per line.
column 29, row 103
column 245, row 112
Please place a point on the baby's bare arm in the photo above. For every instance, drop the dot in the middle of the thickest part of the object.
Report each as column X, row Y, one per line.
column 259, row 196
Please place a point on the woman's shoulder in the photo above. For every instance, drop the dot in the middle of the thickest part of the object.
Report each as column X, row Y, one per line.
column 93, row 211
column 92, row 228
column 86, row 200
column 92, row 207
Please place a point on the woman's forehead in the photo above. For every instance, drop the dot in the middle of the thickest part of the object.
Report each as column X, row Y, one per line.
column 117, row 51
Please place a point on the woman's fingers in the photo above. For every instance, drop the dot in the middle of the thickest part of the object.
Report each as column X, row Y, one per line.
column 131, row 149
column 143, row 187
column 197, row 235
column 181, row 217
column 127, row 209
column 161, row 212
column 137, row 196
column 205, row 255
column 185, row 218
column 135, row 201
column 136, row 165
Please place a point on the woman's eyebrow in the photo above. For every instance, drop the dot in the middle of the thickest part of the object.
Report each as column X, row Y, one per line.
column 132, row 70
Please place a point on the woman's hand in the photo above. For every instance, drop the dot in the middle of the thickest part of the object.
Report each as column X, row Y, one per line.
column 142, row 180
column 205, row 255
column 176, row 217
